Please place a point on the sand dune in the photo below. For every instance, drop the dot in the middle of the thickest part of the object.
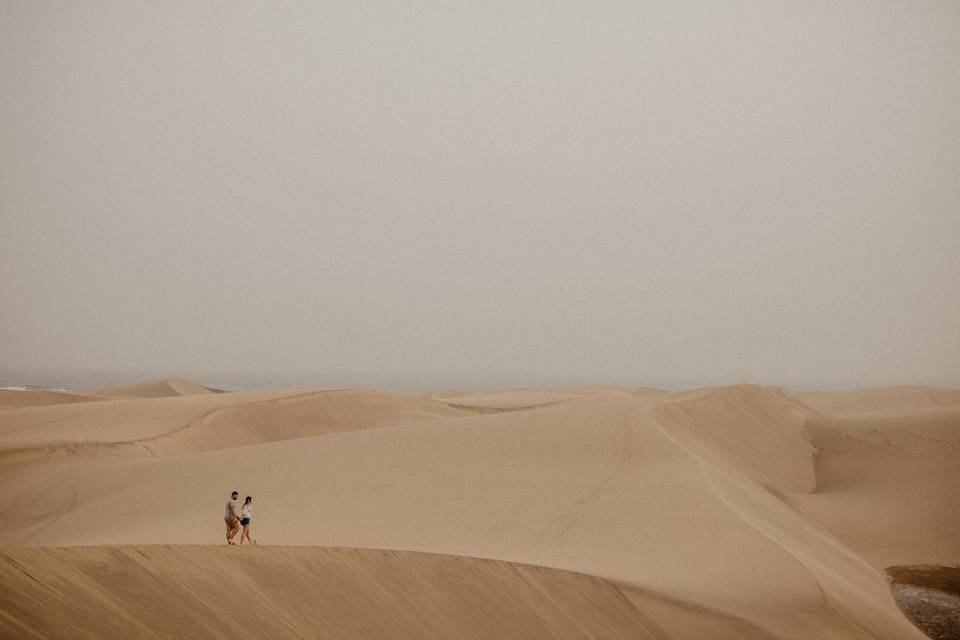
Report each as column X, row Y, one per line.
column 15, row 399
column 751, row 473
column 300, row 592
column 883, row 401
column 162, row 388
column 898, row 473
column 519, row 399
column 201, row 422
column 757, row 431
column 731, row 512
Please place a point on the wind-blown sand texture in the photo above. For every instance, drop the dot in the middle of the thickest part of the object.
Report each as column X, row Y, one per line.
column 300, row 592
column 727, row 512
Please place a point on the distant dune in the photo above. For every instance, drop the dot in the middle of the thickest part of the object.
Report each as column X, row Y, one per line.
column 163, row 388
column 726, row 512
column 881, row 401
column 16, row 399
column 201, row 422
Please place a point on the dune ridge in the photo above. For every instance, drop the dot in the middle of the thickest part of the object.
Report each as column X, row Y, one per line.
column 189, row 424
column 706, row 425
column 18, row 399
column 290, row 417
column 757, row 430
column 274, row 592
column 160, row 388
column 728, row 512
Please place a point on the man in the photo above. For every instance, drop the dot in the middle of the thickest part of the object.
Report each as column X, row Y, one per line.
column 230, row 516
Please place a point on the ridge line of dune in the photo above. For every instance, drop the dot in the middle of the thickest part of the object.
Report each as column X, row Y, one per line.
column 7, row 548
column 146, row 442
column 147, row 445
column 588, row 606
column 143, row 442
column 168, row 384
column 858, row 592
column 92, row 448
column 487, row 410
column 752, row 442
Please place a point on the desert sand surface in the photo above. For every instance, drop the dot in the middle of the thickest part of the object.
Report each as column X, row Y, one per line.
column 299, row 592
column 16, row 399
column 162, row 388
column 725, row 512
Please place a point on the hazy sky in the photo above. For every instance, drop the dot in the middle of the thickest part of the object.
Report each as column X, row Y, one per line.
column 441, row 194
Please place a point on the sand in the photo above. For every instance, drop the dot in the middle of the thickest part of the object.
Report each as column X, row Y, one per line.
column 11, row 399
column 726, row 512
column 300, row 592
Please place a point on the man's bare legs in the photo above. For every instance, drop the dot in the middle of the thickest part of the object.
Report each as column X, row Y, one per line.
column 232, row 530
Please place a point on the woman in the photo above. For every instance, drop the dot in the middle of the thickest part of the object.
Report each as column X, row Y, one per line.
column 246, row 515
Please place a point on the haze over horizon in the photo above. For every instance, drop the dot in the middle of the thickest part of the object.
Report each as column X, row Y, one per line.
column 662, row 194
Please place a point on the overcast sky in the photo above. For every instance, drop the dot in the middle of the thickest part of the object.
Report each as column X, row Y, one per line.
column 438, row 194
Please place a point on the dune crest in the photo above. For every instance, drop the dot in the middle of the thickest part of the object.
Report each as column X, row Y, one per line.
column 161, row 388
column 16, row 399
column 758, row 430
column 299, row 416
column 718, row 427
column 277, row 592
column 191, row 424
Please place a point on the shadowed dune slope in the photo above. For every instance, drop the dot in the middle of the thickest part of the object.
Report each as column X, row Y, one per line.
column 299, row 592
column 162, row 388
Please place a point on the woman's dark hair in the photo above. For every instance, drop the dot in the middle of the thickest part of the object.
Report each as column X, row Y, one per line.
column 247, row 501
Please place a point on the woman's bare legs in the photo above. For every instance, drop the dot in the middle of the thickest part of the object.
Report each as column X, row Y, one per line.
column 246, row 534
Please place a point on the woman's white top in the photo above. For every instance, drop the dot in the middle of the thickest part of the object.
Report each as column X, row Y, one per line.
column 246, row 511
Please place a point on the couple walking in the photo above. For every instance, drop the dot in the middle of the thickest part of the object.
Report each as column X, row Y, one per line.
column 235, row 520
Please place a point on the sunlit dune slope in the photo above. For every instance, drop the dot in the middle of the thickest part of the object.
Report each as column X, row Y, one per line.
column 299, row 592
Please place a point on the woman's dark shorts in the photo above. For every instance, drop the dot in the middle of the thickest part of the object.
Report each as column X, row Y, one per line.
column 245, row 521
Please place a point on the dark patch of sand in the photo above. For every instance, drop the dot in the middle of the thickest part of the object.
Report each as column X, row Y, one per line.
column 930, row 596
